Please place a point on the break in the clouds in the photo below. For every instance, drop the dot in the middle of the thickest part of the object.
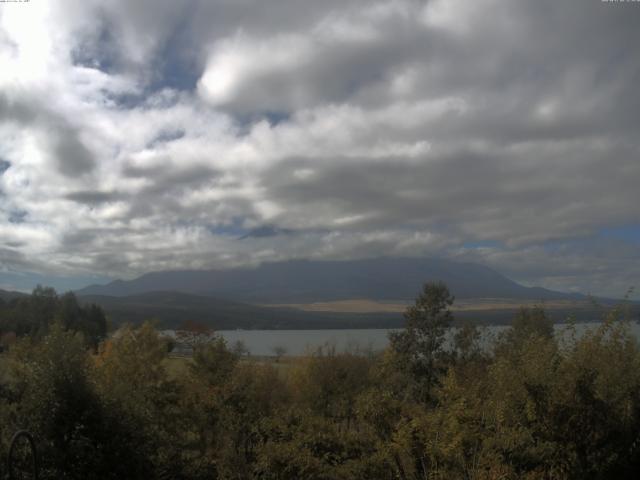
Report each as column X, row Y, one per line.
column 139, row 136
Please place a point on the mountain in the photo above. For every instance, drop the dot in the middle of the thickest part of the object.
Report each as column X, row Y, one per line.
column 301, row 281
column 10, row 295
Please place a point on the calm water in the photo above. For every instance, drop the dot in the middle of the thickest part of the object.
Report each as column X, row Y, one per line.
column 298, row 342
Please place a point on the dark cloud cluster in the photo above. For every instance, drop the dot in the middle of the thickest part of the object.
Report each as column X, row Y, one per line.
column 152, row 135
column 60, row 138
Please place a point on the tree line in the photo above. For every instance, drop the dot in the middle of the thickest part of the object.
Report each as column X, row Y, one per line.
column 529, row 405
column 33, row 315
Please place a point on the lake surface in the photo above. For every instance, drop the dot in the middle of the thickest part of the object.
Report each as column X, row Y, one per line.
column 299, row 342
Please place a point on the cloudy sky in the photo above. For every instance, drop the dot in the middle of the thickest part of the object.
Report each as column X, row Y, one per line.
column 152, row 135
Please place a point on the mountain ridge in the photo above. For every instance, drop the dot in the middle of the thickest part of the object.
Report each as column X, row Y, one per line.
column 7, row 295
column 327, row 280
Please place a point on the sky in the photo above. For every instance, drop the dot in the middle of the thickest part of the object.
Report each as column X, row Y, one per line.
column 157, row 135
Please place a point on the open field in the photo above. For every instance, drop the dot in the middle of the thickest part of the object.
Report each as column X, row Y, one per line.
column 480, row 304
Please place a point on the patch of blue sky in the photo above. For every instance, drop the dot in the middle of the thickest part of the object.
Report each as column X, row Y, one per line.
column 175, row 72
column 483, row 244
column 275, row 118
column 4, row 166
column 245, row 121
column 177, row 65
column 125, row 101
column 628, row 233
column 173, row 67
column 166, row 136
column 177, row 75
column 18, row 216
column 235, row 228
column 99, row 55
column 564, row 244
column 266, row 231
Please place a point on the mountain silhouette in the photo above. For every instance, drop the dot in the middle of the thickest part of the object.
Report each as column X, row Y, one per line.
column 301, row 281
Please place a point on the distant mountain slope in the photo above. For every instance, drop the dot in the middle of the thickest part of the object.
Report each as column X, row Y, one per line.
column 171, row 309
column 308, row 281
column 9, row 295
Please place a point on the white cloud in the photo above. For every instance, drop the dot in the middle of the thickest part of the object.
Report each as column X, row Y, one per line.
column 240, row 59
column 367, row 128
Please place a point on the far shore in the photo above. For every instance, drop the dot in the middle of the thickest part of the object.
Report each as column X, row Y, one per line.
column 399, row 306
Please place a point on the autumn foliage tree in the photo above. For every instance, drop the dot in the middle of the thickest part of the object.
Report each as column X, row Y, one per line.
column 535, row 403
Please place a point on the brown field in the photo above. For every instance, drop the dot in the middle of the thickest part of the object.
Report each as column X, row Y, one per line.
column 373, row 306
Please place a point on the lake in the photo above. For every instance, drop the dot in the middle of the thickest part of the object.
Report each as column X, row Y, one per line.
column 299, row 342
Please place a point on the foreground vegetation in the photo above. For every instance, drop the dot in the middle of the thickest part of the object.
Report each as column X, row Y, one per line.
column 531, row 407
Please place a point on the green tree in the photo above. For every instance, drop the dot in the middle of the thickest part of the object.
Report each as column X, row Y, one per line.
column 56, row 400
column 418, row 348
column 329, row 383
column 33, row 315
column 213, row 363
column 134, row 385
column 90, row 319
